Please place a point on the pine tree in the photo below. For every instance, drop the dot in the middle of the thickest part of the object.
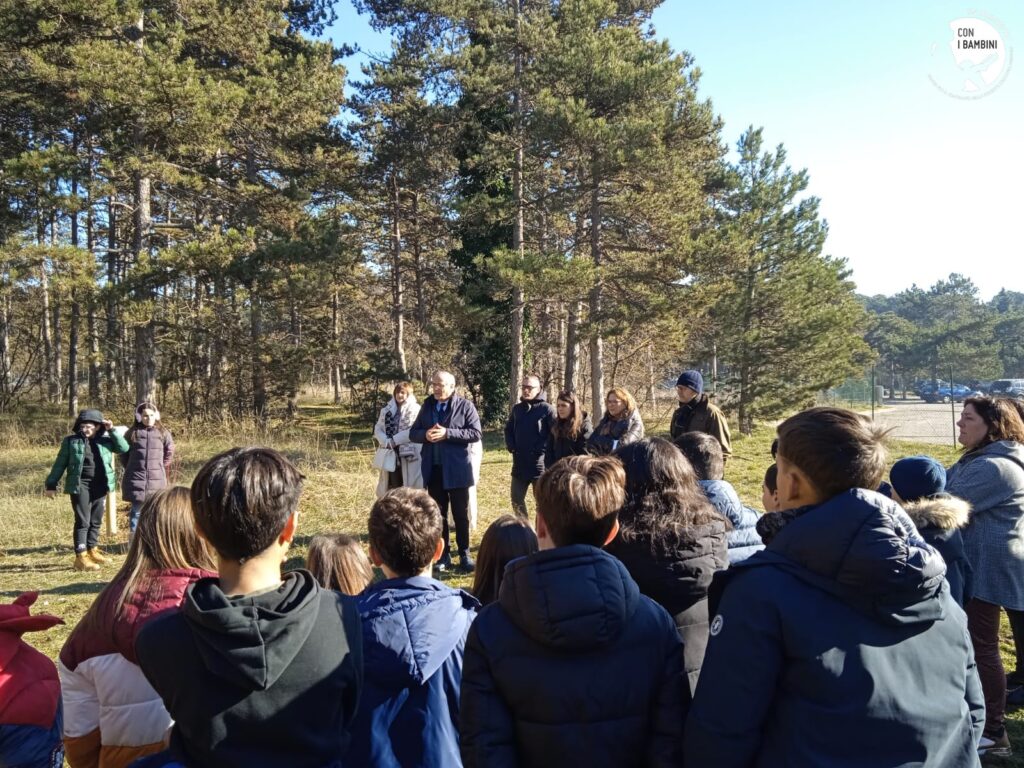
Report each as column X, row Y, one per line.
column 786, row 322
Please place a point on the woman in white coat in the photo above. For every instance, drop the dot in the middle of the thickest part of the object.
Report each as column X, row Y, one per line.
column 392, row 431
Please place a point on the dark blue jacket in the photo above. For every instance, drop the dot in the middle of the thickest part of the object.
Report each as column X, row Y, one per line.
column 838, row 645
column 33, row 746
column 939, row 520
column 572, row 666
column 414, row 633
column 743, row 539
column 463, row 424
column 526, row 436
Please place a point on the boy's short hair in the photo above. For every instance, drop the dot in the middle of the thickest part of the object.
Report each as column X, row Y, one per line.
column 704, row 453
column 405, row 526
column 242, row 499
column 771, row 478
column 579, row 498
column 835, row 448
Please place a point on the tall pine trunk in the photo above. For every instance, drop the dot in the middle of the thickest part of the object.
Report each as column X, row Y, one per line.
column 111, row 356
column 145, row 334
column 518, row 300
column 596, row 299
column 47, row 337
column 335, row 338
column 397, row 310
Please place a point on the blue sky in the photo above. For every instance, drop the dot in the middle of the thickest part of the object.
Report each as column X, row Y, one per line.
column 914, row 182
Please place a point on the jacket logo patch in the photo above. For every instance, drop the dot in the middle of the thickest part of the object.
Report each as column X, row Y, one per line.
column 716, row 625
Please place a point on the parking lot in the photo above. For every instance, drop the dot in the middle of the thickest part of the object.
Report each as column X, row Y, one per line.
column 922, row 422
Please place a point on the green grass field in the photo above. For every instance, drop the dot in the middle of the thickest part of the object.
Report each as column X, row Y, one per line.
column 333, row 450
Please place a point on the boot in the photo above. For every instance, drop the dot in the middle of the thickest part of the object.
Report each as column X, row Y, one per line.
column 84, row 563
column 466, row 564
column 445, row 563
column 98, row 557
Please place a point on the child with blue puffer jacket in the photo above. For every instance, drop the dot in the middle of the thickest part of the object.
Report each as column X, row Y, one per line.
column 705, row 454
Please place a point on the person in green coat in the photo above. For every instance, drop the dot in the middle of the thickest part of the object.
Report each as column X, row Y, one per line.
column 86, row 462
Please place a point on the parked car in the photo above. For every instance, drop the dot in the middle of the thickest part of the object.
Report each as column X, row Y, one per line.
column 944, row 393
column 1008, row 388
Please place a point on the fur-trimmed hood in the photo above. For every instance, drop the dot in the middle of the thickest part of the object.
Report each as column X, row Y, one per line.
column 939, row 511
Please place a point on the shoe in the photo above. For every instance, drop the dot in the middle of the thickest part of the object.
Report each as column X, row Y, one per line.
column 84, row 563
column 444, row 564
column 1014, row 698
column 996, row 745
column 97, row 556
column 466, row 564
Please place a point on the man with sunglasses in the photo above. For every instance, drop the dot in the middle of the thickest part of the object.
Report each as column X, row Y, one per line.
column 526, row 435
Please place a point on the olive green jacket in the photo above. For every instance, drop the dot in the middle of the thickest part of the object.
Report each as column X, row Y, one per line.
column 69, row 460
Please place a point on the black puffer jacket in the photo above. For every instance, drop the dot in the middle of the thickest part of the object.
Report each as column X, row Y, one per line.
column 572, row 666
column 678, row 579
column 837, row 645
column 526, row 436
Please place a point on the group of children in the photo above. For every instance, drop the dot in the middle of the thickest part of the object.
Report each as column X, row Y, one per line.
column 838, row 643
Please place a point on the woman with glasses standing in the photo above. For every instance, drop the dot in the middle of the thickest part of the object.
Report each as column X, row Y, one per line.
column 620, row 425
column 526, row 436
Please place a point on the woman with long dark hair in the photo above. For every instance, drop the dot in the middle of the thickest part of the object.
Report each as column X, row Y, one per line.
column 990, row 476
column 112, row 715
column 670, row 539
column 569, row 431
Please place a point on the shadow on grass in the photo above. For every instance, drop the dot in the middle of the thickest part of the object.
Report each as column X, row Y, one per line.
column 78, row 588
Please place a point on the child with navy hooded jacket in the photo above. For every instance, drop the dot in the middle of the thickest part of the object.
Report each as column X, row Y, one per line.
column 839, row 644
column 414, row 633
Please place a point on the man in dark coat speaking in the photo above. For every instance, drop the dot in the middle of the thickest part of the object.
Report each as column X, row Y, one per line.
column 698, row 414
column 446, row 425
column 526, row 436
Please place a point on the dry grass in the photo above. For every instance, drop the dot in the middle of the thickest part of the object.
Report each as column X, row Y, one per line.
column 333, row 449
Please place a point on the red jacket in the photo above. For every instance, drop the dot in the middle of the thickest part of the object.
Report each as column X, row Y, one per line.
column 109, row 707
column 29, row 688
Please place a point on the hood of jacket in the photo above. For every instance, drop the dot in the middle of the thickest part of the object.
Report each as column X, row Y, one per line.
column 410, row 400
column 723, row 497
column 411, row 626
column 1008, row 449
column 860, row 547
column 576, row 597
column 251, row 640
column 530, row 402
column 941, row 511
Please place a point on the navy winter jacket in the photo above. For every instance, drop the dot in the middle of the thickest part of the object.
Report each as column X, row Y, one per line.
column 526, row 436
column 414, row 634
column 463, row 424
column 838, row 645
column 744, row 539
column 572, row 666
column 939, row 520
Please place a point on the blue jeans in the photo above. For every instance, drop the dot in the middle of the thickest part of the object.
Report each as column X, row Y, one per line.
column 133, row 515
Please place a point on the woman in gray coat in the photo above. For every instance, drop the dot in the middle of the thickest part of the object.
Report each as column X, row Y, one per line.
column 990, row 475
column 150, row 450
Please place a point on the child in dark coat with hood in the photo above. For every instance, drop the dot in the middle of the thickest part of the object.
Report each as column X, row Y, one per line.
column 150, row 451
column 919, row 484
column 414, row 633
column 258, row 668
column 839, row 643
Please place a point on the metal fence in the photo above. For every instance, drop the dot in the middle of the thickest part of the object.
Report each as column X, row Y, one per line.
column 922, row 411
